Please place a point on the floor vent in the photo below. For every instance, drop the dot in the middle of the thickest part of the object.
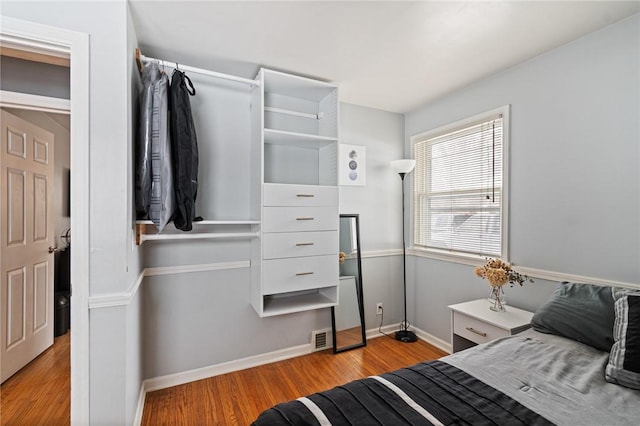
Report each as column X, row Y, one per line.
column 320, row 339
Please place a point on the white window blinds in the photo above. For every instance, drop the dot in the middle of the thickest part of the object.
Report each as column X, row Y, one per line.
column 458, row 188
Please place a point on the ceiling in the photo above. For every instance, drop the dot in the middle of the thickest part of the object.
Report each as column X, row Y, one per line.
column 389, row 55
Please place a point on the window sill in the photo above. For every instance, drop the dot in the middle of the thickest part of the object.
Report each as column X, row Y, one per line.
column 465, row 259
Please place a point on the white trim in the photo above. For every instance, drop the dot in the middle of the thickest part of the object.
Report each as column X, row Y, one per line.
column 374, row 333
column 433, row 340
column 28, row 36
column 505, row 111
column 137, row 420
column 531, row 272
column 28, row 42
column 203, row 267
column 31, row 102
column 110, row 300
column 447, row 257
column 381, row 253
column 561, row 276
column 184, row 269
column 176, row 379
column 388, row 330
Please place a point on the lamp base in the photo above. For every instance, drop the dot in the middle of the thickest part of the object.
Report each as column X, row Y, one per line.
column 406, row 336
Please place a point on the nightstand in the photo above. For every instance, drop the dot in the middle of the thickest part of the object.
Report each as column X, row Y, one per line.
column 473, row 323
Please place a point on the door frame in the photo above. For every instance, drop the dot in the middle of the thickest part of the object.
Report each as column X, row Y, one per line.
column 44, row 39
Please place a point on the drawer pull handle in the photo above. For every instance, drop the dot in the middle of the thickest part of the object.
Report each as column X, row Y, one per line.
column 304, row 218
column 305, row 195
column 304, row 244
column 303, row 273
column 479, row 333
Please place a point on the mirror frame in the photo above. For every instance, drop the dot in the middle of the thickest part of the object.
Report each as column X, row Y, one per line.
column 360, row 297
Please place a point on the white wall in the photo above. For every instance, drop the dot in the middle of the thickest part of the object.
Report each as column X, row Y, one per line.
column 114, row 262
column 575, row 182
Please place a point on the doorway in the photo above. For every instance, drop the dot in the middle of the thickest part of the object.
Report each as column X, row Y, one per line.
column 74, row 46
column 34, row 220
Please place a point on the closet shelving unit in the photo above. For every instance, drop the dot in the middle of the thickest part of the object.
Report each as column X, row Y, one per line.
column 295, row 260
column 205, row 229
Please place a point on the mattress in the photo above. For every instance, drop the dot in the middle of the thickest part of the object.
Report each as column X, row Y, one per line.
column 530, row 379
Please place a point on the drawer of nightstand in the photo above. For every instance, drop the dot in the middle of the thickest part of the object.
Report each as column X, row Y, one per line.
column 299, row 273
column 299, row 195
column 295, row 244
column 300, row 219
column 475, row 330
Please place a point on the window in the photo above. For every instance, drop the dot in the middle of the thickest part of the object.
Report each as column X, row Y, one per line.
column 459, row 191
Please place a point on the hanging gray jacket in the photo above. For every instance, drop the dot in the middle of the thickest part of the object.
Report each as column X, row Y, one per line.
column 154, row 173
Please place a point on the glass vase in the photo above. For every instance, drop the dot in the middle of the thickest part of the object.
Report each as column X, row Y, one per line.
column 497, row 299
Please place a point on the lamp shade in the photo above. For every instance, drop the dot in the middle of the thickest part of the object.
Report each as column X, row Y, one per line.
column 403, row 166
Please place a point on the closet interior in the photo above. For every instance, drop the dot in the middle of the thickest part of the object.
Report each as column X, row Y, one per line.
column 267, row 174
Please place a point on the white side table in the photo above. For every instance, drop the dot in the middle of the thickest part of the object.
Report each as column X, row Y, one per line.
column 473, row 323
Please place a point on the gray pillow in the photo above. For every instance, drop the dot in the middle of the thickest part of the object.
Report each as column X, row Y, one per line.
column 582, row 312
column 623, row 367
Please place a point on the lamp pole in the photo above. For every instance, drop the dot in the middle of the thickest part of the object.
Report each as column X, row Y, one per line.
column 404, row 335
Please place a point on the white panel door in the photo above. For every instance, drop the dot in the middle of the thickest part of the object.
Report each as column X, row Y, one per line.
column 26, row 233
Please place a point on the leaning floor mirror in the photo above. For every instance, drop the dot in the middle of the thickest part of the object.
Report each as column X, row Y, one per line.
column 347, row 318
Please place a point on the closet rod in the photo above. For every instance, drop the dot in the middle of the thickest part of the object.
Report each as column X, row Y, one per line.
column 142, row 58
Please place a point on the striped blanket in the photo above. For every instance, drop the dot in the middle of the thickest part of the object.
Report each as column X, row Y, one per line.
column 430, row 393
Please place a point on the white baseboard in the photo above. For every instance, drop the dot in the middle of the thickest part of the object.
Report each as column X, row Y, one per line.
column 433, row 340
column 176, row 379
column 137, row 421
column 422, row 335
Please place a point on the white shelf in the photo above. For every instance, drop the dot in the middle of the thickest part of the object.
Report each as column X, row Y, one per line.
column 282, row 137
column 289, row 304
column 146, row 231
column 296, row 86
column 198, row 236
column 210, row 222
column 297, row 132
column 294, row 113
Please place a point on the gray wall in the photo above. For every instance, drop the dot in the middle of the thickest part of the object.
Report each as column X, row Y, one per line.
column 379, row 206
column 209, row 312
column 575, row 183
column 19, row 75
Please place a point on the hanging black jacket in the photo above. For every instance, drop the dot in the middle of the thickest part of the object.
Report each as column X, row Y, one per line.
column 184, row 151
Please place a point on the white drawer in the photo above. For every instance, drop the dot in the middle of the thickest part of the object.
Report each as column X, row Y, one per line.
column 300, row 219
column 300, row 273
column 475, row 330
column 299, row 195
column 296, row 244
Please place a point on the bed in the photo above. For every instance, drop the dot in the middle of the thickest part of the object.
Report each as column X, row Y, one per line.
column 580, row 365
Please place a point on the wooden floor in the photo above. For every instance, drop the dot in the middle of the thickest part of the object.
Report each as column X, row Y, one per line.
column 237, row 398
column 40, row 393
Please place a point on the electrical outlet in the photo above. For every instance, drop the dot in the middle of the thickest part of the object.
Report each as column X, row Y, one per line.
column 378, row 308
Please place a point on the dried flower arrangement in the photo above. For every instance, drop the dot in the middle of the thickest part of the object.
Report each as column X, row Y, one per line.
column 499, row 273
column 341, row 257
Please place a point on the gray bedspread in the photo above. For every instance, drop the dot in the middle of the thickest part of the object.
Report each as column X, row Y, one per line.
column 558, row 378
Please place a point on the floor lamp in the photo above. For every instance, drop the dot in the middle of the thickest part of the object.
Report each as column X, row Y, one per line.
column 404, row 167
